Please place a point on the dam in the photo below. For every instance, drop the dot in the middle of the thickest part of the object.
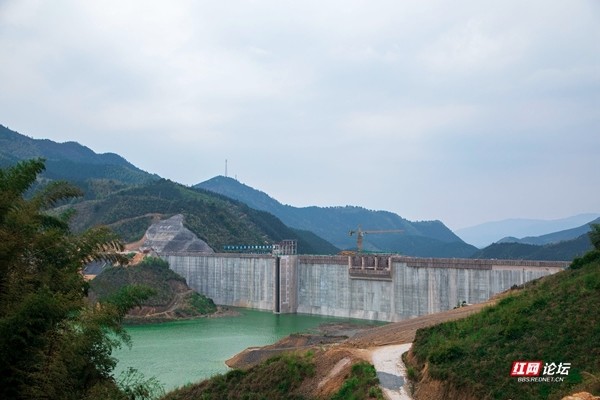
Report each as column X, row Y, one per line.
column 373, row 287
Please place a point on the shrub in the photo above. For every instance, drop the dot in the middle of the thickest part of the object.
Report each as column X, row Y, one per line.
column 362, row 383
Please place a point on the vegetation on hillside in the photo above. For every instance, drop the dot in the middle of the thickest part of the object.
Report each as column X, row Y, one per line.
column 361, row 384
column 166, row 286
column 279, row 377
column 53, row 344
column 113, row 197
column 554, row 320
column 565, row 250
column 68, row 161
column 217, row 220
column 419, row 238
column 275, row 379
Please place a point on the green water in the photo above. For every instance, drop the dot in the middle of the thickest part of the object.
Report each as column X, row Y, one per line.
column 182, row 352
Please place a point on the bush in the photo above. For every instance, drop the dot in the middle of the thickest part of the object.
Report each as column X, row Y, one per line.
column 362, row 383
column 154, row 261
column 588, row 258
column 276, row 379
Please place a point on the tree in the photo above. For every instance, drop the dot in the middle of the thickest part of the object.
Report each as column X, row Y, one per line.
column 53, row 343
column 593, row 255
column 595, row 236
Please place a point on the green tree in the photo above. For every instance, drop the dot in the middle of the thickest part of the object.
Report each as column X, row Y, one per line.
column 53, row 343
column 595, row 236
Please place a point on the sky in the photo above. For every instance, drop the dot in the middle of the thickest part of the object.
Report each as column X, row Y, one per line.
column 466, row 111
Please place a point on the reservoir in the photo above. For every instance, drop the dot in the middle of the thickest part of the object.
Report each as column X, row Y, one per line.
column 181, row 352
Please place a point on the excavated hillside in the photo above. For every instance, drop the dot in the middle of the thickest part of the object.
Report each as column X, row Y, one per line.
column 170, row 235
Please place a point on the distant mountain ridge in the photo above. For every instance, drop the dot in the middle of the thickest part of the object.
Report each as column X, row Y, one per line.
column 129, row 199
column 562, row 245
column 490, row 232
column 70, row 160
column 565, row 250
column 419, row 238
column 554, row 237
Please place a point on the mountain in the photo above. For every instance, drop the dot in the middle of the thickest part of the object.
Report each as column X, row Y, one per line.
column 419, row 238
column 565, row 250
column 553, row 237
column 562, row 245
column 491, row 232
column 217, row 220
column 129, row 200
column 69, row 161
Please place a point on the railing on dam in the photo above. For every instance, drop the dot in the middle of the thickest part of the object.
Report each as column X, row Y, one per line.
column 481, row 264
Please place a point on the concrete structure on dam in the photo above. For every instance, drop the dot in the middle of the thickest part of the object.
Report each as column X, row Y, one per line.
column 374, row 287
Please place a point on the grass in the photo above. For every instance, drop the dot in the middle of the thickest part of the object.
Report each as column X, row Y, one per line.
column 556, row 319
column 361, row 384
column 274, row 379
column 279, row 379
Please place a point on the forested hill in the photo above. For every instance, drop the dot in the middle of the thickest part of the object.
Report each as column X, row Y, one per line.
column 554, row 237
column 68, row 161
column 217, row 220
column 565, row 250
column 120, row 195
column 419, row 238
column 563, row 245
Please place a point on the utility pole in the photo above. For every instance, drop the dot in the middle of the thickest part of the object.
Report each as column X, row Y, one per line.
column 225, row 168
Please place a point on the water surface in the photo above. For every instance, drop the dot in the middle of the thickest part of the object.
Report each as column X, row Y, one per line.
column 177, row 353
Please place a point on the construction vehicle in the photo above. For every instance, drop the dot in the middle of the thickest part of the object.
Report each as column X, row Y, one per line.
column 360, row 234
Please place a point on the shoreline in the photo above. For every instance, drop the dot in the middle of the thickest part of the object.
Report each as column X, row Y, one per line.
column 222, row 311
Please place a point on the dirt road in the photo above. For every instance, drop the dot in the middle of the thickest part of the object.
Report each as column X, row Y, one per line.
column 391, row 371
column 382, row 346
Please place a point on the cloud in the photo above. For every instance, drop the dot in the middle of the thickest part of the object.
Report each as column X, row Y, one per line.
column 308, row 98
column 410, row 123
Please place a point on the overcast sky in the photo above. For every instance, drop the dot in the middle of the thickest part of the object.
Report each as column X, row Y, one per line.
column 462, row 111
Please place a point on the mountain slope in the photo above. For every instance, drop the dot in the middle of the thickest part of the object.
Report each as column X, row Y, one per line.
column 129, row 200
column 553, row 237
column 565, row 250
column 553, row 320
column 421, row 238
column 217, row 220
column 69, row 161
column 490, row 232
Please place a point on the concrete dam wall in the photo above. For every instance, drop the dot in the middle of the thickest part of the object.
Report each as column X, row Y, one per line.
column 384, row 288
column 240, row 280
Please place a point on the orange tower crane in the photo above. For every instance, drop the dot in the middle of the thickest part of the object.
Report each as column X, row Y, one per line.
column 360, row 233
